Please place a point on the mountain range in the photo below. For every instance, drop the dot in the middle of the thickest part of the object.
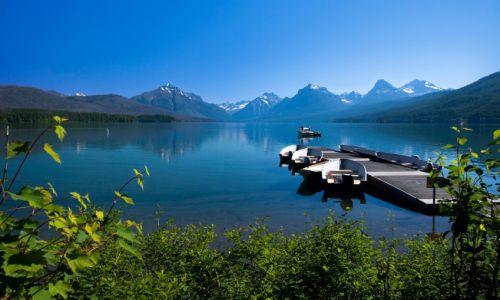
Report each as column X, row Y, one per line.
column 172, row 99
column 418, row 100
column 478, row 102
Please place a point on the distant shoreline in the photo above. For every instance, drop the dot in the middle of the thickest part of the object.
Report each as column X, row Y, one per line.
column 38, row 116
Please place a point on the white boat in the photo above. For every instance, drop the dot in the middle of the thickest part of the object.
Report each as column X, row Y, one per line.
column 313, row 170
column 308, row 132
column 343, row 172
column 304, row 157
column 287, row 152
column 308, row 156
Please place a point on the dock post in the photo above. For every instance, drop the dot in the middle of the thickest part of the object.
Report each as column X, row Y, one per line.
column 434, row 195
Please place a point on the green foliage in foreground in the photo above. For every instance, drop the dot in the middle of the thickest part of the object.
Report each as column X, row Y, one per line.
column 38, row 268
column 334, row 260
column 33, row 116
column 93, row 254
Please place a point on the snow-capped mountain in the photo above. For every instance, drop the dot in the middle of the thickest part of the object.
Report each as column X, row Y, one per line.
column 310, row 100
column 233, row 107
column 269, row 99
column 352, row 97
column 80, row 94
column 384, row 91
column 419, row 88
column 258, row 107
column 173, row 99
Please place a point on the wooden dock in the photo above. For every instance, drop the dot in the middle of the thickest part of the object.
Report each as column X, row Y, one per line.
column 399, row 182
column 402, row 185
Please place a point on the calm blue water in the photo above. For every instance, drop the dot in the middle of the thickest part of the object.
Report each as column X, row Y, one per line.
column 226, row 173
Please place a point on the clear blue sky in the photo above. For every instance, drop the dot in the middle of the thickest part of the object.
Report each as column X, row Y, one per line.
column 233, row 50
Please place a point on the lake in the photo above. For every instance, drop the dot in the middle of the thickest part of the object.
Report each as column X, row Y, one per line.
column 227, row 174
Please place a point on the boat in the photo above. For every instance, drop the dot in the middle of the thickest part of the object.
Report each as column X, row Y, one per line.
column 303, row 158
column 308, row 156
column 313, row 171
column 344, row 172
column 359, row 151
column 287, row 152
column 308, row 132
column 413, row 162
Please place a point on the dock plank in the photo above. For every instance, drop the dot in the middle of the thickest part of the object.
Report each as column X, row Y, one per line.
column 413, row 187
column 335, row 155
column 405, row 183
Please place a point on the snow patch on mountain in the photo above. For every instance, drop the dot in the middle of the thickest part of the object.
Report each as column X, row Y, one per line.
column 408, row 90
column 232, row 107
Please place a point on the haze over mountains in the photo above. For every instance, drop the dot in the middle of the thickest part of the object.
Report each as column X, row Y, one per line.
column 416, row 101
column 314, row 102
column 477, row 102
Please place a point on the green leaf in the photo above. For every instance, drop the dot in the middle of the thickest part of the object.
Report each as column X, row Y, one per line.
column 60, row 132
column 455, row 128
column 129, row 248
column 80, row 263
column 60, row 288
column 467, row 129
column 6, row 222
column 462, row 140
column 449, row 146
column 41, row 294
column 59, row 120
column 496, row 134
column 81, row 237
column 16, row 147
column 52, row 189
column 125, row 198
column 50, row 151
column 126, row 233
column 100, row 215
column 36, row 197
column 146, row 169
column 140, row 182
column 25, row 264
column 79, row 198
column 486, row 151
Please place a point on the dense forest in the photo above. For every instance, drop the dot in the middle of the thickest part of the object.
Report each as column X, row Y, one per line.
column 36, row 116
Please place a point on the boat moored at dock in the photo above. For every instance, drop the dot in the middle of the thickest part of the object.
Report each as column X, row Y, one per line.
column 309, row 156
column 343, row 172
column 388, row 175
column 287, row 152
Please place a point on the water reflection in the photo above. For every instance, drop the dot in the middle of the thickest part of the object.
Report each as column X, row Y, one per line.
column 343, row 196
column 225, row 173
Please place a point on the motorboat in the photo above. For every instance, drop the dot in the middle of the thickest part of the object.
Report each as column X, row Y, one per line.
column 287, row 152
column 413, row 162
column 343, row 172
column 308, row 156
column 308, row 132
column 303, row 158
